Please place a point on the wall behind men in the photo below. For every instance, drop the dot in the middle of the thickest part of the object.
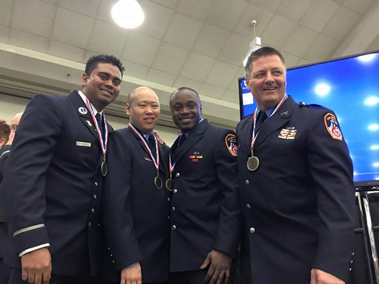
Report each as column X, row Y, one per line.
column 10, row 105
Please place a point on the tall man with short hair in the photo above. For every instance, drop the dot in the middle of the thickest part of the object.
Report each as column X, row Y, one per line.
column 296, row 184
column 135, row 198
column 54, row 180
column 205, row 216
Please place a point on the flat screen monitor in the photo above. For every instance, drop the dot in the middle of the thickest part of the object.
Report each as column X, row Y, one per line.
column 350, row 87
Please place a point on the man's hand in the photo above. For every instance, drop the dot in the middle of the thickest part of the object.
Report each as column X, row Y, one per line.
column 36, row 266
column 131, row 275
column 159, row 138
column 321, row 277
column 219, row 269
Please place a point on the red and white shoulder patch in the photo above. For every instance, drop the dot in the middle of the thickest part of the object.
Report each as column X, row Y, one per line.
column 332, row 126
column 231, row 144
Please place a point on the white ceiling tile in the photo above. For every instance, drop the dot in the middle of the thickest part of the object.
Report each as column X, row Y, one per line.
column 225, row 13
column 231, row 96
column 221, row 74
column 299, row 41
column 195, row 8
column 72, row 28
column 211, row 91
column 104, row 12
column 161, row 77
column 321, row 49
column 108, row 38
column 4, row 34
column 88, row 54
column 182, row 30
column 33, row 42
column 170, row 58
column 303, row 62
column 135, row 70
column 358, row 6
column 66, row 51
column 184, row 82
column 168, row 3
column 156, row 21
column 341, row 23
column 294, row 9
column 291, row 60
column 253, row 12
column 269, row 4
column 85, row 7
column 211, row 40
column 235, row 49
column 50, row 1
column 319, row 14
column 6, row 7
column 233, row 86
column 277, row 32
column 34, row 17
column 141, row 49
column 197, row 66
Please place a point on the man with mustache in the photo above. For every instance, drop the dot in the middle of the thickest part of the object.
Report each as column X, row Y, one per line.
column 54, row 178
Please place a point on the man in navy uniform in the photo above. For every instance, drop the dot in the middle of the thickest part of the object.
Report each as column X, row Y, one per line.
column 54, row 179
column 296, row 184
column 136, row 204
column 205, row 215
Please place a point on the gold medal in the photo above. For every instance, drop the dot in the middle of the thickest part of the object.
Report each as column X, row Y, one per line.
column 170, row 183
column 104, row 167
column 252, row 162
column 158, row 182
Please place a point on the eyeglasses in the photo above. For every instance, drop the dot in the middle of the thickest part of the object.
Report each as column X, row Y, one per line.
column 14, row 126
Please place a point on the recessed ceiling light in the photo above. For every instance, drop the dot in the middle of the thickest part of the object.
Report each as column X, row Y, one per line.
column 128, row 14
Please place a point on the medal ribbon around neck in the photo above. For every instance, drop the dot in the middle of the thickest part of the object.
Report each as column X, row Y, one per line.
column 102, row 143
column 155, row 161
column 254, row 136
column 171, row 166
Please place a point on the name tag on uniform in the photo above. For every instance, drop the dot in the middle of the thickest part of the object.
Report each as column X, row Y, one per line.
column 83, row 144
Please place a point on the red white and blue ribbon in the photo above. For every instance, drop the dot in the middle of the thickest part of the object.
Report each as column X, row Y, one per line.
column 103, row 143
column 255, row 135
column 156, row 161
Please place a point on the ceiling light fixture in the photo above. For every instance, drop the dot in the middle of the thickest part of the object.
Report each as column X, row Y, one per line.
column 128, row 14
column 254, row 45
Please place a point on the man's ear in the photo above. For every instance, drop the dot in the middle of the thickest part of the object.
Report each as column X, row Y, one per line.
column 85, row 79
column 127, row 109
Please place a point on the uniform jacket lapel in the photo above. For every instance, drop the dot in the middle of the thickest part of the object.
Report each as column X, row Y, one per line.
column 280, row 118
column 84, row 117
column 192, row 139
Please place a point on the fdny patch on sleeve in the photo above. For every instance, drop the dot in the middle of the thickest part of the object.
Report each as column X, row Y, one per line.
column 231, row 144
column 331, row 125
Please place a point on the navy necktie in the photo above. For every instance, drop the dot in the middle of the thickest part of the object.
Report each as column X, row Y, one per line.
column 101, row 124
column 262, row 116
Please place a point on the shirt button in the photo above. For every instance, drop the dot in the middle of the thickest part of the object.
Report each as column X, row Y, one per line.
column 248, row 206
column 95, row 196
column 177, row 175
column 96, row 184
column 173, row 227
column 252, row 230
column 173, row 208
column 247, row 182
column 175, row 190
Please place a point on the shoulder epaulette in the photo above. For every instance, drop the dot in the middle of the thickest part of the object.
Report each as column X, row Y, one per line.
column 303, row 104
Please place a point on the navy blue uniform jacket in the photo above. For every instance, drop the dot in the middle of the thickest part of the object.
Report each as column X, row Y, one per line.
column 136, row 212
column 205, row 211
column 54, row 186
column 298, row 206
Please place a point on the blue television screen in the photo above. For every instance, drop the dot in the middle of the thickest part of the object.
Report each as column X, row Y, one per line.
column 350, row 87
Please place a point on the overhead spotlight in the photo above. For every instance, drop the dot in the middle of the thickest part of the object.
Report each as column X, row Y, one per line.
column 254, row 45
column 128, row 14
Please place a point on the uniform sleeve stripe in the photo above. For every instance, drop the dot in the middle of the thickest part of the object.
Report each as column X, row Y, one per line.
column 27, row 229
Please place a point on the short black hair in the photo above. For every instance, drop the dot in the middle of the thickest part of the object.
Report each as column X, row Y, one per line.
column 183, row 89
column 5, row 130
column 103, row 58
column 263, row 51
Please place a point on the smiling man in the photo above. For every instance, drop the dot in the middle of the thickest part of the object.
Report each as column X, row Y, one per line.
column 135, row 208
column 205, row 216
column 296, row 183
column 54, row 180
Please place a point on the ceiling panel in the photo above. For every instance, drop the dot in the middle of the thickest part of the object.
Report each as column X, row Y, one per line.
column 225, row 13
column 195, row 8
